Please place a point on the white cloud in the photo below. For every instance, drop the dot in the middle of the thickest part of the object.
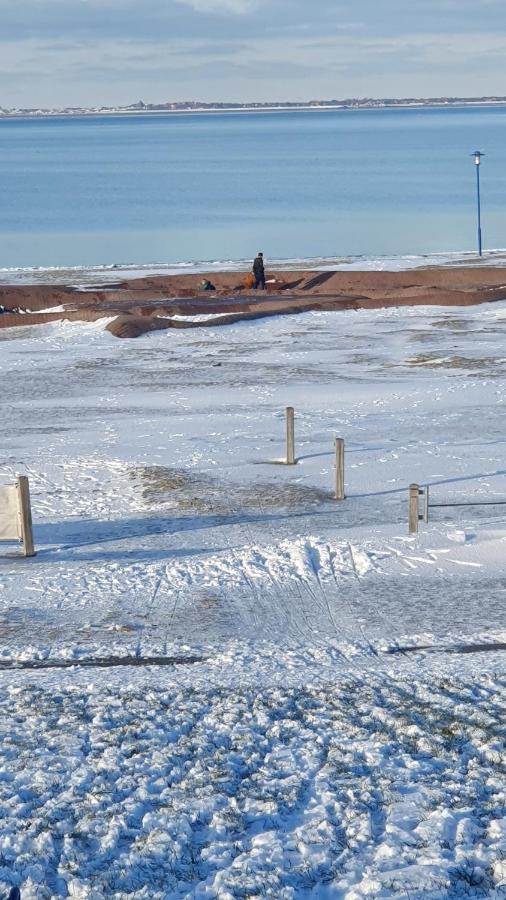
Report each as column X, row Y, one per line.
column 237, row 7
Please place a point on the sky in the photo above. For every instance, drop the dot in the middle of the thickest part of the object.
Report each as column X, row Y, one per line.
column 113, row 52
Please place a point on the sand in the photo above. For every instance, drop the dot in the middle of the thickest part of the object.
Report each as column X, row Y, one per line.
column 139, row 305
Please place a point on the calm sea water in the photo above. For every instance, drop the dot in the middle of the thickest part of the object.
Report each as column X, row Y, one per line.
column 86, row 191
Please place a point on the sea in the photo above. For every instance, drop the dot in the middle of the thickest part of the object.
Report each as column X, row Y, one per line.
column 202, row 189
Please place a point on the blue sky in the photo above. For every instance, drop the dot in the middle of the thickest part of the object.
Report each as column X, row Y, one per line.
column 62, row 52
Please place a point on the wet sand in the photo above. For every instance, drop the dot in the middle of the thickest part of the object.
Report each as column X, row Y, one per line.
column 156, row 302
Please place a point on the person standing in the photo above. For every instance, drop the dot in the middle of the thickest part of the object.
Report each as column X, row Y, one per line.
column 259, row 272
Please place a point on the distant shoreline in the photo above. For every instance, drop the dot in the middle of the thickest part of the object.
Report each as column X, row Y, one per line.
column 84, row 275
column 181, row 109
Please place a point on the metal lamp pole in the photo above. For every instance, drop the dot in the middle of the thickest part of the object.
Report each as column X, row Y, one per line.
column 477, row 160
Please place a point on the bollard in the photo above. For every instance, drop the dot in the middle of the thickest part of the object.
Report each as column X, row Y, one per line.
column 426, row 503
column 413, row 508
column 290, row 436
column 340, row 469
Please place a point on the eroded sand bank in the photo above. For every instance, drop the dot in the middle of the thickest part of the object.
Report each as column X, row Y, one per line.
column 139, row 305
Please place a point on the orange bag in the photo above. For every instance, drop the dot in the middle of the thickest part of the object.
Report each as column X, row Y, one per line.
column 249, row 281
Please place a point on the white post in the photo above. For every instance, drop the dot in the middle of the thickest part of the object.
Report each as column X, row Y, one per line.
column 426, row 504
column 290, row 436
column 339, row 469
column 413, row 508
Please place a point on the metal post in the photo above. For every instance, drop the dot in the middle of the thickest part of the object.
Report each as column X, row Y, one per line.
column 477, row 161
column 478, row 200
column 340, row 469
column 413, row 508
column 25, row 514
column 290, row 436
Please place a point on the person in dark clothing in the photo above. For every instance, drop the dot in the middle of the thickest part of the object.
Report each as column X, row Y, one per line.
column 259, row 272
column 206, row 285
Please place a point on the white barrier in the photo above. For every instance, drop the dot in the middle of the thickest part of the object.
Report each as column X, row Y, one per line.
column 10, row 525
column 16, row 514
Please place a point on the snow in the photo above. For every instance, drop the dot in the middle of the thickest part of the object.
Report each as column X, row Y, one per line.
column 204, row 317
column 326, row 718
column 91, row 278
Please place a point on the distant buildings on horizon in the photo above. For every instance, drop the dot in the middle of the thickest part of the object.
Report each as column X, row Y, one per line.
column 201, row 106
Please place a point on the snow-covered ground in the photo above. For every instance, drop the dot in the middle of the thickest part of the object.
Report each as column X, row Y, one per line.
column 327, row 716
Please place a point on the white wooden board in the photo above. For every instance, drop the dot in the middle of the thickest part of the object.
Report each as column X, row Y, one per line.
column 10, row 526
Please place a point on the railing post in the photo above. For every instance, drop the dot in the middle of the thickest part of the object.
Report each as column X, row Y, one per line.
column 413, row 508
column 339, row 469
column 25, row 514
column 290, row 436
column 426, row 504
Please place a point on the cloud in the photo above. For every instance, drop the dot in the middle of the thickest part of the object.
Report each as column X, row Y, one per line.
column 61, row 52
column 238, row 7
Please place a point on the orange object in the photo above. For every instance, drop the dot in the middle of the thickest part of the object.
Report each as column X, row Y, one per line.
column 249, row 281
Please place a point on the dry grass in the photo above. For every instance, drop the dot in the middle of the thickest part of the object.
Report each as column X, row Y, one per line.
column 185, row 490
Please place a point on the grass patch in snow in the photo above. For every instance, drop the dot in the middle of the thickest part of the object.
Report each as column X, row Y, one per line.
column 183, row 490
column 494, row 366
column 176, row 792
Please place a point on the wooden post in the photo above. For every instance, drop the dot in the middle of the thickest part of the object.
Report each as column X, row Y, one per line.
column 25, row 514
column 413, row 508
column 426, row 503
column 339, row 469
column 290, row 436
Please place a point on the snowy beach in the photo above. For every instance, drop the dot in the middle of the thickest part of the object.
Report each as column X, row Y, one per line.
column 138, row 302
column 327, row 716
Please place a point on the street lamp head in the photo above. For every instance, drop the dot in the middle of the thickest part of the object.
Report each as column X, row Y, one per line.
column 477, row 156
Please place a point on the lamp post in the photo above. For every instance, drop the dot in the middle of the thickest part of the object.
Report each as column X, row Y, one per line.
column 477, row 161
